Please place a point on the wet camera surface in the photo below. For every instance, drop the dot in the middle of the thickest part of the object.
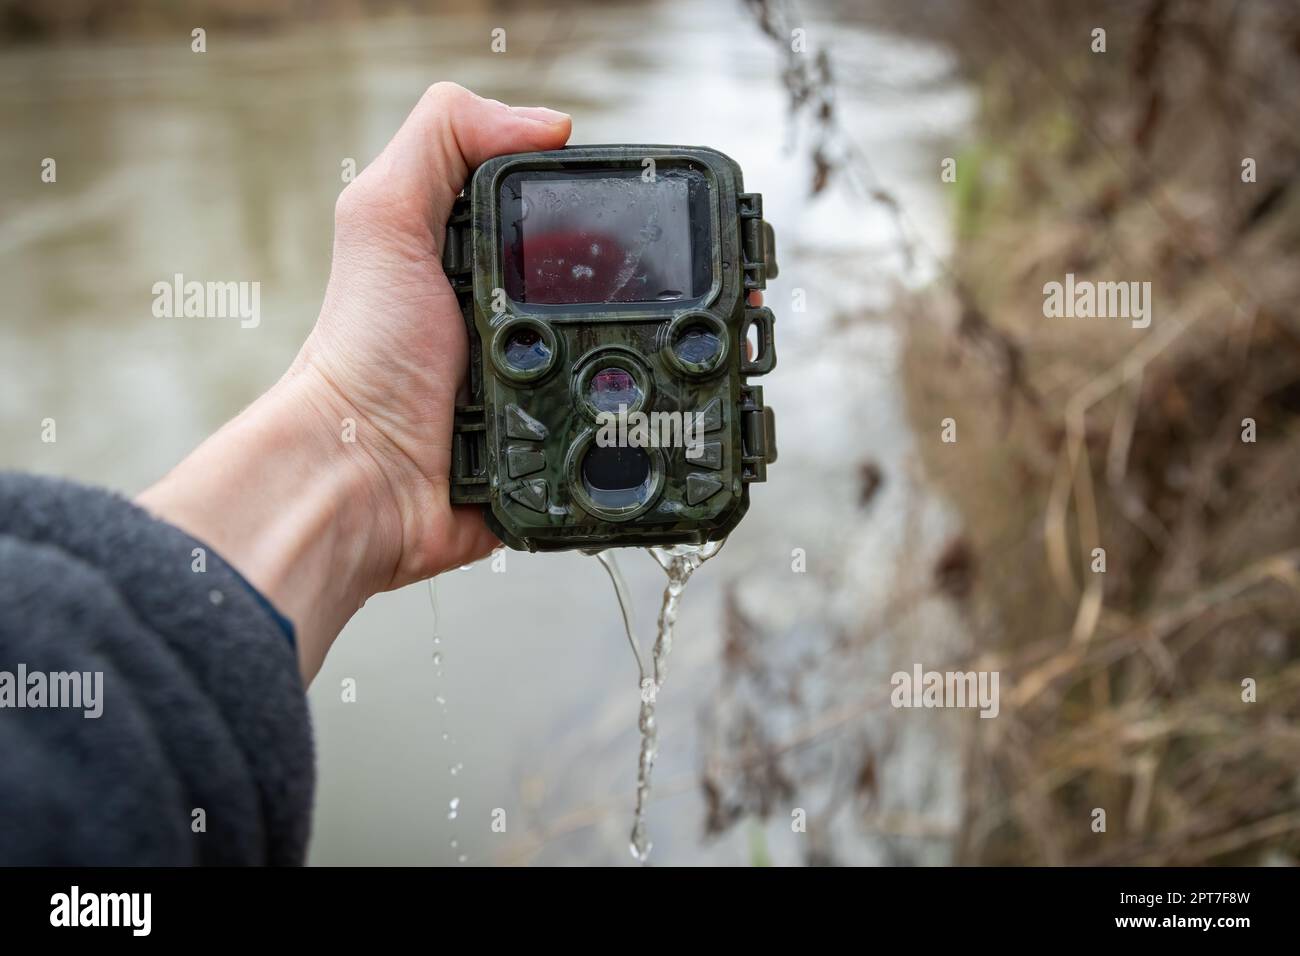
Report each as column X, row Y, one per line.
column 605, row 293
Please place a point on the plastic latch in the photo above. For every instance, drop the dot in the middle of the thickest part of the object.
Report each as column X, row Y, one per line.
column 764, row 358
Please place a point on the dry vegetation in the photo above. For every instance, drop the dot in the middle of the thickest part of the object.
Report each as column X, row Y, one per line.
column 1124, row 689
column 1121, row 690
column 25, row 21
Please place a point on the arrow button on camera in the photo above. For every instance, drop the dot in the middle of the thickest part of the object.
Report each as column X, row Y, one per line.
column 522, row 460
column 700, row 486
column 532, row 494
column 519, row 424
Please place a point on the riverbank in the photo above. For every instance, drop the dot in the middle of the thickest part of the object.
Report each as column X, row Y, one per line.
column 1127, row 494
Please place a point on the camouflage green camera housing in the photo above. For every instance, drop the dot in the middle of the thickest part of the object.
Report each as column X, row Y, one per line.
column 518, row 444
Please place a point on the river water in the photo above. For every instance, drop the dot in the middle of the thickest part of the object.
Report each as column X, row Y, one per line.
column 225, row 165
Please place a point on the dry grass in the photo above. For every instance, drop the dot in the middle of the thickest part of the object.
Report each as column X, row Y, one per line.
column 1123, row 690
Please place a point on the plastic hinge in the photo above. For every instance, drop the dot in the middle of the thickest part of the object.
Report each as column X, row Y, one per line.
column 469, row 479
column 757, row 435
column 753, row 241
column 458, row 250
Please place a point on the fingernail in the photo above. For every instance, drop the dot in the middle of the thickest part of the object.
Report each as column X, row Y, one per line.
column 540, row 114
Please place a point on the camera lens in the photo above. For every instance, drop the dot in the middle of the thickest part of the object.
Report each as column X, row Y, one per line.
column 616, row 477
column 526, row 350
column 698, row 345
column 612, row 387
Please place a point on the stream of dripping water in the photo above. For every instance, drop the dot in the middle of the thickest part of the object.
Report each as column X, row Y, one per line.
column 679, row 562
column 453, row 806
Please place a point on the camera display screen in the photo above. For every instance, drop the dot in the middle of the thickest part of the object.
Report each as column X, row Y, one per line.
column 611, row 236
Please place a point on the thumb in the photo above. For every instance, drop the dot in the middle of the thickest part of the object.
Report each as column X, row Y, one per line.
column 407, row 192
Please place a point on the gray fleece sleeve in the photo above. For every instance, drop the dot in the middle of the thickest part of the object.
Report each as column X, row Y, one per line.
column 202, row 751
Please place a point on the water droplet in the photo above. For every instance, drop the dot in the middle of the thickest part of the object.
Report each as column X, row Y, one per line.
column 454, row 806
column 437, row 658
column 640, row 847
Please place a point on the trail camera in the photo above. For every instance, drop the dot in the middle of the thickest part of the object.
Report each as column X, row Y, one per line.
column 605, row 292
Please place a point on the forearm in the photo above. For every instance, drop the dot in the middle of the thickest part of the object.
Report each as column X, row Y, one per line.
column 283, row 496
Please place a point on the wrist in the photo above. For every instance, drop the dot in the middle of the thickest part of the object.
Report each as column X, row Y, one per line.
column 287, row 495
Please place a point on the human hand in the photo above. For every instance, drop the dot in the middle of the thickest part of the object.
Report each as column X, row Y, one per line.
column 390, row 341
column 317, row 522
